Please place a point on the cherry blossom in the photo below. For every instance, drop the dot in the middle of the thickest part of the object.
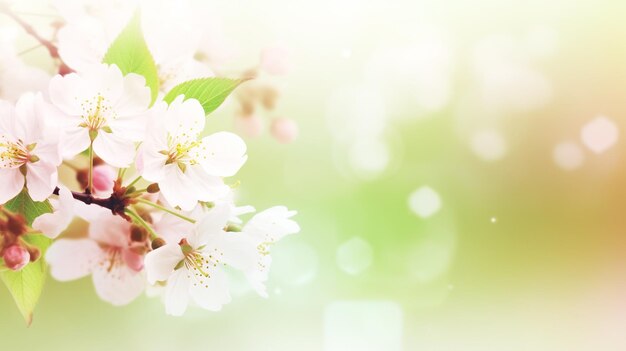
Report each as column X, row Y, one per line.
column 173, row 156
column 104, row 108
column 28, row 155
column 265, row 229
column 192, row 269
column 108, row 255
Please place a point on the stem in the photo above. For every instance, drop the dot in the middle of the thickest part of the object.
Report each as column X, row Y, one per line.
column 90, row 180
column 52, row 49
column 150, row 203
column 133, row 182
column 89, row 199
column 140, row 221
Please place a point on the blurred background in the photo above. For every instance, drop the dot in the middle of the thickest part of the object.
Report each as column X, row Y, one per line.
column 459, row 176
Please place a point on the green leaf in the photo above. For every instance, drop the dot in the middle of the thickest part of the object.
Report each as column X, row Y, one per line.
column 211, row 92
column 130, row 53
column 25, row 205
column 27, row 284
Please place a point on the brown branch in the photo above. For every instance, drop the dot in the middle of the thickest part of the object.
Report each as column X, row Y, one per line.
column 52, row 49
column 117, row 202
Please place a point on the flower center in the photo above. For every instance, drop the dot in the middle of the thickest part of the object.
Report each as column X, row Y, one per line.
column 181, row 152
column 199, row 264
column 14, row 154
column 112, row 258
column 95, row 112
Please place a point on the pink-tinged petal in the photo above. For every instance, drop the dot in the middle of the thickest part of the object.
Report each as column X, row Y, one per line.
column 221, row 154
column 53, row 224
column 74, row 141
column 7, row 118
column 90, row 213
column 160, row 263
column 272, row 224
column 177, row 189
column 12, row 182
column 136, row 98
column 28, row 124
column 118, row 284
column 68, row 92
column 73, row 259
column 133, row 260
column 185, row 119
column 176, row 296
column 114, row 150
column 110, row 230
column 212, row 292
column 41, row 179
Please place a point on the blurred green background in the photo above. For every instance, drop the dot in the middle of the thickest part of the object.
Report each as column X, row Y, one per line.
column 447, row 197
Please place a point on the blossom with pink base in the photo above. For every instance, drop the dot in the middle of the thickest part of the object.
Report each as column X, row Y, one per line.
column 26, row 149
column 108, row 255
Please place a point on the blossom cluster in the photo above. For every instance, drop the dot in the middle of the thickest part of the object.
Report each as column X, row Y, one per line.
column 152, row 187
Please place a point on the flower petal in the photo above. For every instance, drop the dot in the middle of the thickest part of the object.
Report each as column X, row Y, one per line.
column 110, row 230
column 118, row 285
column 272, row 224
column 211, row 293
column 136, row 98
column 176, row 188
column 177, row 293
column 72, row 259
column 41, row 179
column 67, row 92
column 114, row 150
column 74, row 141
column 52, row 224
column 221, row 154
column 160, row 263
column 12, row 182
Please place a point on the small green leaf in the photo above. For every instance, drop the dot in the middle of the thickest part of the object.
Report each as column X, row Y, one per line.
column 25, row 205
column 211, row 92
column 26, row 285
column 130, row 53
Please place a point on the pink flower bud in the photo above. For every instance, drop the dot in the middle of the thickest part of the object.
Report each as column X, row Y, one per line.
column 103, row 178
column 16, row 257
column 285, row 130
column 275, row 60
column 249, row 125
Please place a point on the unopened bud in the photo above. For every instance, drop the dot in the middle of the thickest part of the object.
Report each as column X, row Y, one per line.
column 138, row 234
column 156, row 243
column 103, row 178
column 153, row 188
column 284, row 130
column 16, row 224
column 16, row 257
column 275, row 60
column 250, row 126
